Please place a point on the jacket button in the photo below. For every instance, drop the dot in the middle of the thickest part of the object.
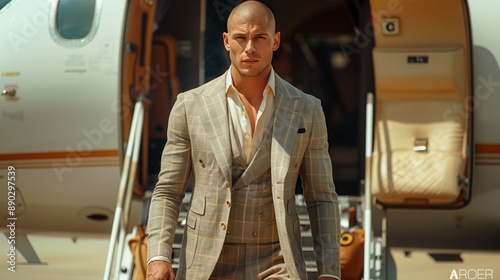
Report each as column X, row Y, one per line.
column 228, row 203
column 223, row 226
column 254, row 234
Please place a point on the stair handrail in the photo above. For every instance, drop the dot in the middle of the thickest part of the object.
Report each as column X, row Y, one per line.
column 367, row 217
column 129, row 170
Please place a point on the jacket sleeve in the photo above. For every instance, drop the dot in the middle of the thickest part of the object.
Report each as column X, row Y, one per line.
column 320, row 197
column 171, row 186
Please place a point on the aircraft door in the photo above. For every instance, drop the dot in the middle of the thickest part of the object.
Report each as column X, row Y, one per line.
column 422, row 69
column 137, row 75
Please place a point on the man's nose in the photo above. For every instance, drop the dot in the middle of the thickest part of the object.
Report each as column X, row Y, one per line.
column 250, row 47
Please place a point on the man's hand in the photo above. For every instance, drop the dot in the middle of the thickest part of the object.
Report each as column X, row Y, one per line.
column 160, row 270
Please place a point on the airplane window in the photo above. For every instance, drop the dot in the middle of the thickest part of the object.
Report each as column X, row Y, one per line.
column 3, row 3
column 74, row 18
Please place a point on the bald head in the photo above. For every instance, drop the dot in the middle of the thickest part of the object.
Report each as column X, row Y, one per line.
column 251, row 10
column 251, row 39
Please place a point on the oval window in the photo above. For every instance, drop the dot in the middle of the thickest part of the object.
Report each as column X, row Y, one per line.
column 74, row 18
column 3, row 3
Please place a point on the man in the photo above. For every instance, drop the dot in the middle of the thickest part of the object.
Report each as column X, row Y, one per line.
column 244, row 138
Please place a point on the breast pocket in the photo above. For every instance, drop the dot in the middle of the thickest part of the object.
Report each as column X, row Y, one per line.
column 299, row 147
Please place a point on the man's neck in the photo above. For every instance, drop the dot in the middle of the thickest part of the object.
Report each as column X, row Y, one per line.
column 251, row 87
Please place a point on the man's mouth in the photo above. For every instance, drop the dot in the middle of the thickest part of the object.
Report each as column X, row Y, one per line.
column 250, row 60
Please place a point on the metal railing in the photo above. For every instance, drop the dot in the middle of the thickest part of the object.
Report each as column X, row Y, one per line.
column 125, row 191
column 367, row 217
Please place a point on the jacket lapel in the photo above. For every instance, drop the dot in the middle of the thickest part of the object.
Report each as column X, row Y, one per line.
column 213, row 113
column 287, row 115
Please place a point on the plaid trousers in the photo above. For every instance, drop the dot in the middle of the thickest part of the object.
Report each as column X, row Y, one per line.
column 250, row 261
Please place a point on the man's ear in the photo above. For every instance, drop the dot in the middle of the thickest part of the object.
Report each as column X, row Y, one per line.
column 225, row 38
column 277, row 38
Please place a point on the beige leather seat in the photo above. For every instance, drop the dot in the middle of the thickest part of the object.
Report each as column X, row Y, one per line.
column 422, row 89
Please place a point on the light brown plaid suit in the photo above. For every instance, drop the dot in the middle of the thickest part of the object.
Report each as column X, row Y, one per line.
column 199, row 144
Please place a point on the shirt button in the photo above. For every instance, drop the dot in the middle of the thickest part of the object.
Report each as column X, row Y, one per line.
column 228, row 203
column 247, row 136
column 223, row 226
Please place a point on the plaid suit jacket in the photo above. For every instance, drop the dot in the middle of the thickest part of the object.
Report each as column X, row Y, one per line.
column 199, row 145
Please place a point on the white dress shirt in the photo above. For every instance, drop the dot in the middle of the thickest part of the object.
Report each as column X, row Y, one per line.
column 239, row 122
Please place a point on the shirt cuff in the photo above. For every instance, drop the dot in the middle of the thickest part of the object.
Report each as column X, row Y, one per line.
column 159, row 258
column 328, row 275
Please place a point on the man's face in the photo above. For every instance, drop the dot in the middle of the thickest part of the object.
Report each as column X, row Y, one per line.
column 251, row 42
